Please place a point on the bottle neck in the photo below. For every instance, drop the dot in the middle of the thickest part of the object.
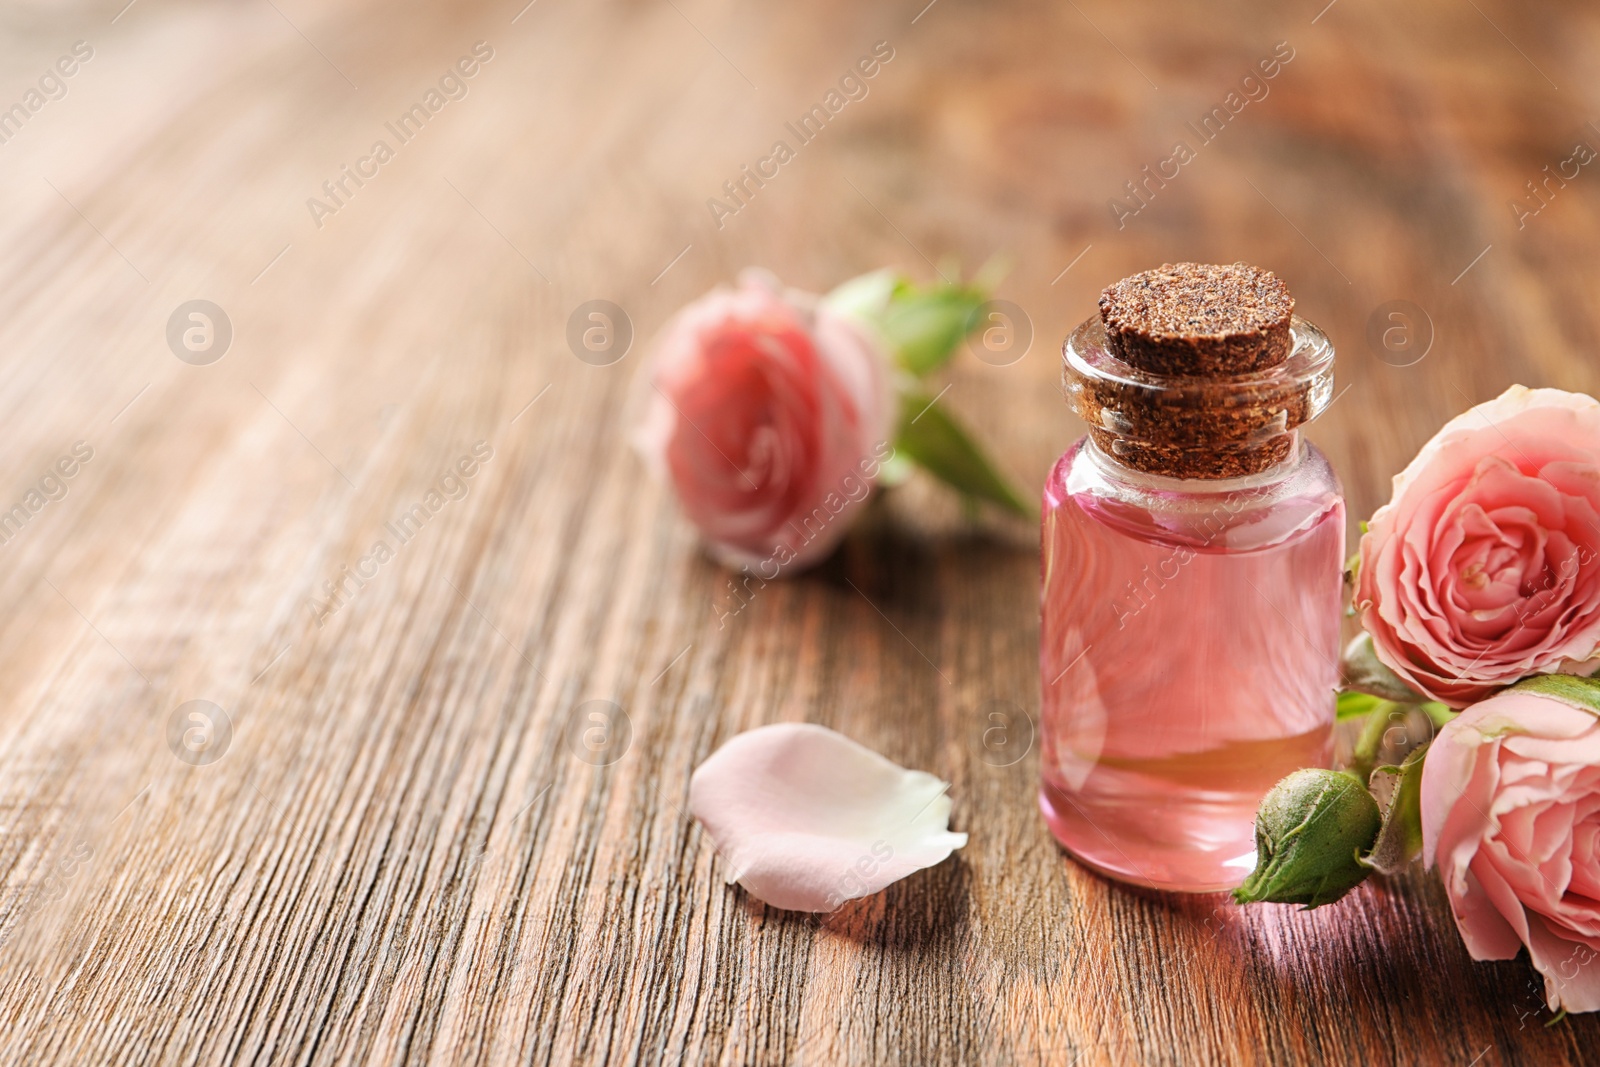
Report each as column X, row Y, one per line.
column 1111, row 467
column 1217, row 428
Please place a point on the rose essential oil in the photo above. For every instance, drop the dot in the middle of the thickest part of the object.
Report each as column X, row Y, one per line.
column 1192, row 554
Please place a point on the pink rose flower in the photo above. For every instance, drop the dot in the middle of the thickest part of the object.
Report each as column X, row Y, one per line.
column 769, row 416
column 1511, row 815
column 1484, row 567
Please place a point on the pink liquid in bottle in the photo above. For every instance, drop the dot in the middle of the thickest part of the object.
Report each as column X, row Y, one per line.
column 1189, row 659
column 1192, row 560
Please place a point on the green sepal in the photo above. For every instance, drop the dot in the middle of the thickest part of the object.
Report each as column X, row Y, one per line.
column 932, row 439
column 1576, row 690
column 1361, row 669
column 1400, row 840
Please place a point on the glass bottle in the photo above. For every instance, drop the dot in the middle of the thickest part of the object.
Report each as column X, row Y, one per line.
column 1189, row 625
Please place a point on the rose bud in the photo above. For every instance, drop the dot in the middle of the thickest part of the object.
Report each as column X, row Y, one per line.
column 1311, row 829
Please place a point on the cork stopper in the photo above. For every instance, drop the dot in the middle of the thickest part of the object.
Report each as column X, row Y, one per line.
column 1198, row 371
column 1199, row 318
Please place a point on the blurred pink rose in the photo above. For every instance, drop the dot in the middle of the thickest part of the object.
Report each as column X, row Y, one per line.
column 1511, row 815
column 769, row 416
column 1484, row 567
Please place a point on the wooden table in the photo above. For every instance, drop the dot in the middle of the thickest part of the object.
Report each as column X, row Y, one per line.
column 398, row 856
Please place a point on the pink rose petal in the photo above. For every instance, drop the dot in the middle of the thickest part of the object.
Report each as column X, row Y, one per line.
column 1484, row 567
column 1511, row 816
column 806, row 819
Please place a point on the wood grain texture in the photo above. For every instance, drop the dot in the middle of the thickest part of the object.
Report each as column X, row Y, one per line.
column 399, row 858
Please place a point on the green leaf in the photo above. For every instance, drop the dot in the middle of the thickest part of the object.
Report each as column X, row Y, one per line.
column 932, row 439
column 925, row 326
column 1360, row 669
column 866, row 296
column 1400, row 840
column 1353, row 705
